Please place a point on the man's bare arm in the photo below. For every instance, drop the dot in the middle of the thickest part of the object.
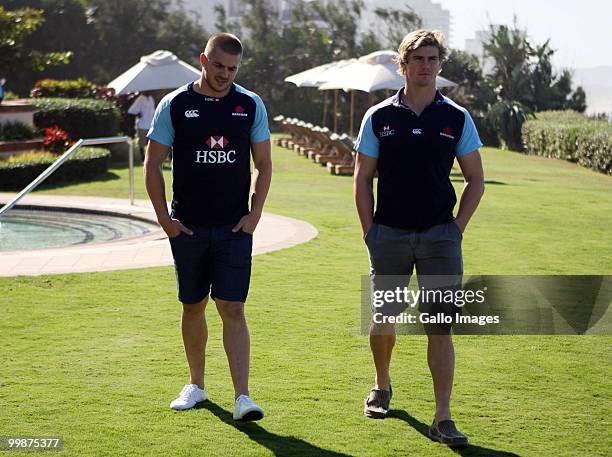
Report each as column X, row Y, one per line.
column 473, row 174
column 365, row 169
column 262, row 176
column 154, row 183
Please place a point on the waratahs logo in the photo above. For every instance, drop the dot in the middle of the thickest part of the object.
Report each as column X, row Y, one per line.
column 239, row 111
column 447, row 132
column 217, row 142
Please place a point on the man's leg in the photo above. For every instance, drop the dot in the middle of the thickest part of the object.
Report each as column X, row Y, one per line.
column 441, row 360
column 195, row 335
column 236, row 342
column 439, row 266
column 193, row 281
column 382, row 341
column 391, row 264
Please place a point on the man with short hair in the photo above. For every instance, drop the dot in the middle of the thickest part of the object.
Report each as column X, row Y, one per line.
column 213, row 126
column 411, row 140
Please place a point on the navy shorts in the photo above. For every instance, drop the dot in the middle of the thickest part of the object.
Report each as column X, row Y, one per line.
column 215, row 261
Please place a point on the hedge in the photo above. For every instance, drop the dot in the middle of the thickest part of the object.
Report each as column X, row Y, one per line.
column 16, row 131
column 570, row 136
column 86, row 164
column 76, row 88
column 487, row 133
column 80, row 117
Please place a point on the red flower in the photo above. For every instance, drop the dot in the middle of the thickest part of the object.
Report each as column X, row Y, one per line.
column 56, row 139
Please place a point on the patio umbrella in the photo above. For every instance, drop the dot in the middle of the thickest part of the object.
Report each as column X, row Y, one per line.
column 159, row 70
column 371, row 72
column 374, row 71
column 315, row 76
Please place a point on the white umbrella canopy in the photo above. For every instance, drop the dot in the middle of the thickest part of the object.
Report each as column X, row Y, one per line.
column 371, row 72
column 159, row 70
column 315, row 76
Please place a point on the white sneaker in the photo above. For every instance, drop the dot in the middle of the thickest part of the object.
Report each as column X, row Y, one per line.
column 246, row 410
column 190, row 396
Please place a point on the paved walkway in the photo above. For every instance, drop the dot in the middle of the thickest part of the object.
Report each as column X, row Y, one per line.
column 273, row 233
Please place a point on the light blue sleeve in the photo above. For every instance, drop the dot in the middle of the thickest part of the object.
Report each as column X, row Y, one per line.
column 470, row 141
column 367, row 141
column 259, row 130
column 162, row 130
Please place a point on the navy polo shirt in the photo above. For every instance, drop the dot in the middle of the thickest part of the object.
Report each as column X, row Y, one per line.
column 211, row 141
column 415, row 156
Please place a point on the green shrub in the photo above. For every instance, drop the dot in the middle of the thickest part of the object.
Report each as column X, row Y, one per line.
column 486, row 132
column 595, row 150
column 81, row 118
column 86, row 164
column 16, row 131
column 77, row 88
column 570, row 136
column 8, row 95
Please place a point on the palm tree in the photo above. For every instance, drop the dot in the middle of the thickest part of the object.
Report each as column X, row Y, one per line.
column 507, row 117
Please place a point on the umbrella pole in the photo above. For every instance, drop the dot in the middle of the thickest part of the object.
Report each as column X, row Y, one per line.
column 352, row 113
column 324, row 123
column 336, row 110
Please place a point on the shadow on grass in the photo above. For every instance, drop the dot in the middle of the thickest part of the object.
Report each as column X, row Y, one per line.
column 471, row 450
column 457, row 176
column 278, row 444
column 493, row 183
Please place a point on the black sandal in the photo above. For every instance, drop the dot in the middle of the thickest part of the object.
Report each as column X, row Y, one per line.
column 376, row 405
column 446, row 432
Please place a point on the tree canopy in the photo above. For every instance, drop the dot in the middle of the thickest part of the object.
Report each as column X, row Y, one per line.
column 99, row 39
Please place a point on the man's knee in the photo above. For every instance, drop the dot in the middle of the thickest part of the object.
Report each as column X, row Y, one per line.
column 439, row 340
column 230, row 310
column 192, row 309
column 381, row 329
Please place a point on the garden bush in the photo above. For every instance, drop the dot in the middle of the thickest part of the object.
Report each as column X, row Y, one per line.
column 76, row 88
column 19, row 170
column 81, row 118
column 16, row 131
column 486, row 131
column 570, row 136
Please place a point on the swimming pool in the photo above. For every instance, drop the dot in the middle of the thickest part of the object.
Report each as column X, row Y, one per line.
column 37, row 228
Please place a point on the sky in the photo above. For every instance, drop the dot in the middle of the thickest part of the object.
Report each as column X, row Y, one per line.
column 580, row 30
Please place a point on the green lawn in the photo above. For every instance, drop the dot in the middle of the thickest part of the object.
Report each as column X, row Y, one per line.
column 96, row 358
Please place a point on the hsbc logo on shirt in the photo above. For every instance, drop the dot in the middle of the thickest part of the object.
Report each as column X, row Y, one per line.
column 216, row 142
column 387, row 131
column 217, row 152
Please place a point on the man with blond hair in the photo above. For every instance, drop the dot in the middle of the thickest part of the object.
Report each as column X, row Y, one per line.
column 412, row 140
column 213, row 126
